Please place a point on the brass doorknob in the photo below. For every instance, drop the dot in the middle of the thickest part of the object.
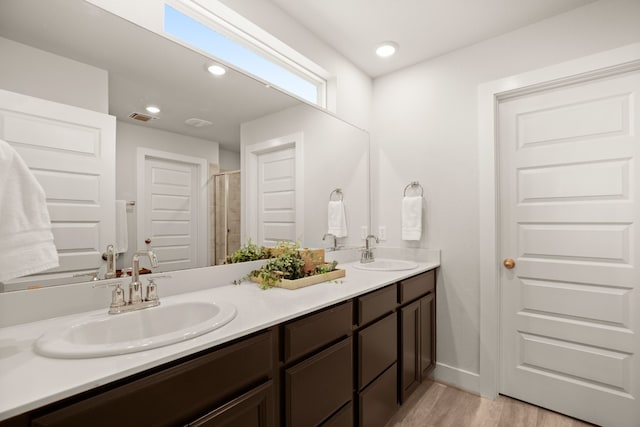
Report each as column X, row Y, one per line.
column 509, row 263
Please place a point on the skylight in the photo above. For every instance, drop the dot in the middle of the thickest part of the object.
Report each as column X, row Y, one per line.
column 200, row 36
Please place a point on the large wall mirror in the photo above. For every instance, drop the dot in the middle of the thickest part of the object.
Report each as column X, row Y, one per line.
column 263, row 165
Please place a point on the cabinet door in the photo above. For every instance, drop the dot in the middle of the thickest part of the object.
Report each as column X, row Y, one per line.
column 252, row 409
column 317, row 387
column 427, row 335
column 377, row 349
column 379, row 401
column 409, row 349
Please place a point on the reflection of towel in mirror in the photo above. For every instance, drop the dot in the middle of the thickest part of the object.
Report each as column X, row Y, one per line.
column 26, row 241
column 411, row 218
column 337, row 218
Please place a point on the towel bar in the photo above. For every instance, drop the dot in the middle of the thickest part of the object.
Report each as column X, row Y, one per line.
column 413, row 184
column 338, row 192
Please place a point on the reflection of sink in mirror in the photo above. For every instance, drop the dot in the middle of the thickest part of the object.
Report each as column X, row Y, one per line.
column 387, row 265
column 107, row 335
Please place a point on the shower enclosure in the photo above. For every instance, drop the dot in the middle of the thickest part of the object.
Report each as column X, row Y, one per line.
column 225, row 215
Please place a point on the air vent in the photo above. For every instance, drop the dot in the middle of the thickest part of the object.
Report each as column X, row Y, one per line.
column 197, row 123
column 141, row 117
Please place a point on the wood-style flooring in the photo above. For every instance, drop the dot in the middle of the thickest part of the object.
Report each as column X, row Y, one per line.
column 439, row 405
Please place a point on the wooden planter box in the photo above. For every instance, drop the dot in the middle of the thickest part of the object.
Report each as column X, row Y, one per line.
column 306, row 281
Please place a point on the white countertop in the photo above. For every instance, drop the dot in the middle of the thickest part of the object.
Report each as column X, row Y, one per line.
column 29, row 381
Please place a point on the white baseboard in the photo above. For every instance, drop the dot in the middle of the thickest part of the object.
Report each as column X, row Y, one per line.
column 465, row 380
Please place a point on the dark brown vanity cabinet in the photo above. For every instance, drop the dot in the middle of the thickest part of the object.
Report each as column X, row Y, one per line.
column 417, row 331
column 228, row 386
column 346, row 365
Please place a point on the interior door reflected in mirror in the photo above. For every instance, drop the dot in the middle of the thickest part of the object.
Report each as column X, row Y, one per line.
column 93, row 63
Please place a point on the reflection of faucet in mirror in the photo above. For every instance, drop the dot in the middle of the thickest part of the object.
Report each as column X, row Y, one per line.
column 111, row 262
column 335, row 241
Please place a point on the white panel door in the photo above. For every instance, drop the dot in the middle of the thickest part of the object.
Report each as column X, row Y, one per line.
column 570, row 211
column 71, row 152
column 171, row 209
column 276, row 196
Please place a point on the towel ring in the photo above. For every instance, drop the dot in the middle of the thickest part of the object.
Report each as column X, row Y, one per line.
column 413, row 184
column 337, row 192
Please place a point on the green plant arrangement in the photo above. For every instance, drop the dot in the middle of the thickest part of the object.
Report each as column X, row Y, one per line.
column 291, row 263
column 249, row 252
column 288, row 264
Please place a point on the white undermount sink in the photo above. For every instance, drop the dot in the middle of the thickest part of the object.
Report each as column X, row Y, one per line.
column 387, row 265
column 111, row 334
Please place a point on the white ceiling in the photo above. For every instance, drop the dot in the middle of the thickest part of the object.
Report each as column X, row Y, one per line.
column 423, row 28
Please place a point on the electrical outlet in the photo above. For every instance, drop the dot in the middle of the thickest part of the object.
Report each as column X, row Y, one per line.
column 364, row 232
column 382, row 233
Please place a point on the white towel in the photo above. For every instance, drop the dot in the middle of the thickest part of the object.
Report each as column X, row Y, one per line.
column 337, row 218
column 122, row 236
column 411, row 218
column 26, row 240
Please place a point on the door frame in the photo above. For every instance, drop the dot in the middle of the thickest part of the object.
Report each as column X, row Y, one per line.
column 202, row 165
column 615, row 61
column 249, row 183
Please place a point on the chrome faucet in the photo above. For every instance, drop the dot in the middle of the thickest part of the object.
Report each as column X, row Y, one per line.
column 367, row 252
column 136, row 302
column 335, row 241
column 135, row 287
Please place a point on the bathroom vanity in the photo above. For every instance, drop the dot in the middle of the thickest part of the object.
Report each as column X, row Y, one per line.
column 352, row 362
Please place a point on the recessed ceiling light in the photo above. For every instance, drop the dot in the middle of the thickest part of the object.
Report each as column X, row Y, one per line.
column 386, row 49
column 197, row 123
column 152, row 109
column 216, row 70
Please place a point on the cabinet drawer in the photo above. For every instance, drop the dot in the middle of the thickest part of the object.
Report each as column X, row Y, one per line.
column 377, row 349
column 178, row 394
column 376, row 304
column 319, row 386
column 416, row 286
column 379, row 402
column 252, row 409
column 303, row 336
column 344, row 418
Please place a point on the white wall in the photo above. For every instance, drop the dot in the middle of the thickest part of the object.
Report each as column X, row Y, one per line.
column 229, row 160
column 61, row 80
column 128, row 138
column 335, row 156
column 352, row 88
column 425, row 128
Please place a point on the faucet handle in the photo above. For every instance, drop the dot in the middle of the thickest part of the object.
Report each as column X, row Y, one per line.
column 152, row 291
column 117, row 298
column 152, row 288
